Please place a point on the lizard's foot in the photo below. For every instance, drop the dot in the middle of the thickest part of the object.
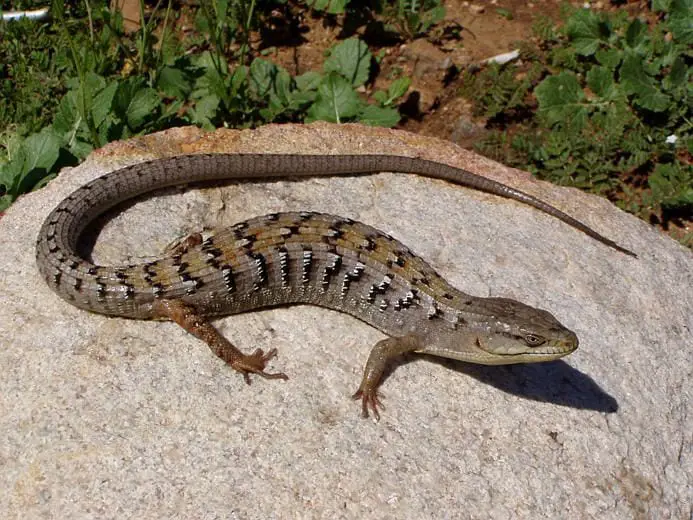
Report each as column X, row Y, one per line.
column 181, row 245
column 369, row 399
column 255, row 363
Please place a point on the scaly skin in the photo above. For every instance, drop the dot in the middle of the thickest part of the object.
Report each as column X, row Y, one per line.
column 292, row 258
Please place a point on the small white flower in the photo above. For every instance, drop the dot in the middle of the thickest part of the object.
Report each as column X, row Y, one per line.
column 671, row 139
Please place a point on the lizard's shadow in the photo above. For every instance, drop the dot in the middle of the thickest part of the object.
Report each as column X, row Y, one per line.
column 553, row 382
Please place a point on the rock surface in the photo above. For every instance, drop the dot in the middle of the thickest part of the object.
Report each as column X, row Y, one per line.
column 108, row 418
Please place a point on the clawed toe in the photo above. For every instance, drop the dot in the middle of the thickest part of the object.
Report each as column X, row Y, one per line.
column 255, row 364
column 369, row 399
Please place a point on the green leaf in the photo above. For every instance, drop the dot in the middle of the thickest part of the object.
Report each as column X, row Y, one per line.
column 380, row 96
column 336, row 100
column 600, row 80
column 351, row 59
column 204, row 111
column 36, row 156
column 42, row 150
column 337, row 6
column 11, row 173
column 176, row 80
column 83, row 98
column 113, row 129
column 561, row 100
column 398, row 88
column 636, row 82
column 679, row 21
column 308, row 81
column 211, row 81
column 80, row 149
column 92, row 84
column 101, row 105
column 262, row 75
column 172, row 109
column 635, row 34
column 300, row 99
column 5, row 202
column 610, row 58
column 379, row 116
column 281, row 91
column 124, row 94
column 8, row 171
column 239, row 80
column 678, row 75
column 665, row 56
column 66, row 118
column 306, row 89
column 586, row 31
column 271, row 83
column 142, row 108
column 202, row 22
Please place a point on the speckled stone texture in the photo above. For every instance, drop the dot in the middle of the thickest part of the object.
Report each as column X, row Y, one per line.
column 108, row 418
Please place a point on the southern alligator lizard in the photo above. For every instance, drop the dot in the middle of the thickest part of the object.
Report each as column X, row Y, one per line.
column 290, row 258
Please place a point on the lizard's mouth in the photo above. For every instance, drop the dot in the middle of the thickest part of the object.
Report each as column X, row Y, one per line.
column 519, row 352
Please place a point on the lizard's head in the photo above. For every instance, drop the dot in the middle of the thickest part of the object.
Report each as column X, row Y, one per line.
column 505, row 332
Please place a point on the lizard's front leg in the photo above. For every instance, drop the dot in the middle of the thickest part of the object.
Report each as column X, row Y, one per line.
column 381, row 355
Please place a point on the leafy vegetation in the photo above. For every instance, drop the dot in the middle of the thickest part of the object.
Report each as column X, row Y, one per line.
column 88, row 82
column 606, row 105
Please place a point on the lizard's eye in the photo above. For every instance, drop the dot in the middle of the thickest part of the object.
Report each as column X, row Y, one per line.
column 533, row 340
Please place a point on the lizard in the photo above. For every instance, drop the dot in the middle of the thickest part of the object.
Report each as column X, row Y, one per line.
column 299, row 258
